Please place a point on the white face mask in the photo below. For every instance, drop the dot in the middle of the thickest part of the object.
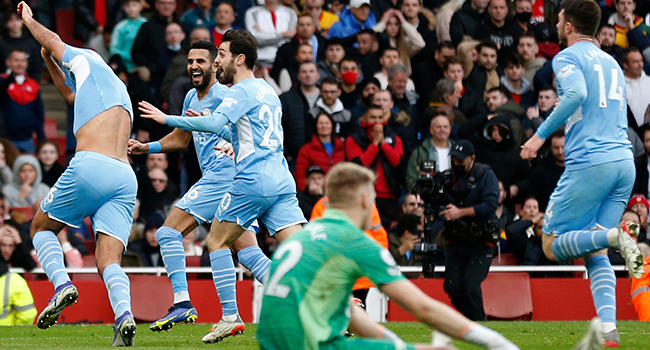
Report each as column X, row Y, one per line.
column 174, row 47
column 20, row 79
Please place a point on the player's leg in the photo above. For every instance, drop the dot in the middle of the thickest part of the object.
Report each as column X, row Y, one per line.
column 603, row 289
column 283, row 217
column 251, row 256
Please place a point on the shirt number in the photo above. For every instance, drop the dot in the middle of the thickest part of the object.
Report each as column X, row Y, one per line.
column 273, row 128
column 615, row 91
column 294, row 253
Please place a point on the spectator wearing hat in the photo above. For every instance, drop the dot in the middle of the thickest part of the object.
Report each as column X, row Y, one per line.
column 639, row 204
column 353, row 19
column 314, row 190
column 148, row 248
column 472, row 194
column 324, row 150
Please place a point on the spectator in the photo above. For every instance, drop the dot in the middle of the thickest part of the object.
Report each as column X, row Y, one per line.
column 350, row 76
column 202, row 15
column 413, row 204
column 368, row 52
column 324, row 150
column 639, row 204
column 353, row 20
column 499, row 103
column 546, row 100
column 125, row 31
column 174, row 36
column 525, row 240
column 163, row 196
column 401, row 35
column 297, row 123
column 90, row 21
column 18, row 39
column 523, row 16
column 484, row 75
column 519, row 87
column 150, row 42
column 192, row 249
column 15, row 252
column 405, row 100
column 272, row 25
column 544, row 11
column 27, row 187
column 504, row 216
column 527, row 48
column 399, row 122
column 624, row 20
column 16, row 300
column 288, row 76
column 334, row 54
column 224, row 19
column 444, row 99
column 287, row 56
column 314, row 190
column 546, row 173
column 641, row 164
column 329, row 102
column 324, row 20
column 390, row 57
column 21, row 104
column 177, row 72
column 148, row 248
column 469, row 20
column 423, row 20
column 436, row 149
column 444, row 16
column 607, row 38
column 431, row 70
column 368, row 87
column 402, row 240
column 48, row 156
column 499, row 29
column 8, row 154
column 376, row 147
column 637, row 84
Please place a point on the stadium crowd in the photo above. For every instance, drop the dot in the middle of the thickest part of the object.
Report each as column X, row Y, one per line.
column 385, row 84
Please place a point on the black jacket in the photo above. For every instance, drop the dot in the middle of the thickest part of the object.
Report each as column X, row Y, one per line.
column 150, row 43
column 297, row 123
column 466, row 21
column 504, row 36
column 430, row 38
column 641, row 182
column 527, row 250
column 286, row 56
column 84, row 17
column 543, row 181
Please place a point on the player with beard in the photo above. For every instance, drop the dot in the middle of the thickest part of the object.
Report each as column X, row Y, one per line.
column 585, row 208
column 200, row 203
column 263, row 187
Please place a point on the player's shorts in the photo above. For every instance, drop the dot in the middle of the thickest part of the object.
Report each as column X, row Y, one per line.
column 98, row 186
column 351, row 344
column 276, row 212
column 589, row 198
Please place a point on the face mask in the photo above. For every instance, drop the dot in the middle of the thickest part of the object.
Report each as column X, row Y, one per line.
column 174, row 47
column 524, row 17
column 459, row 170
column 350, row 78
column 20, row 79
column 370, row 126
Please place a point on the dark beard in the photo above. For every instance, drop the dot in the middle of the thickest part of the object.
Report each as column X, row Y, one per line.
column 205, row 83
column 606, row 48
column 225, row 77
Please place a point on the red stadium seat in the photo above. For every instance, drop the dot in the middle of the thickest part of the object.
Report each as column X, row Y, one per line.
column 507, row 259
column 49, row 128
column 89, row 260
column 507, row 296
column 151, row 297
column 26, row 212
column 193, row 261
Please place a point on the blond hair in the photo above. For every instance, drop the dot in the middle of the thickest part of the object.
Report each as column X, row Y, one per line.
column 343, row 182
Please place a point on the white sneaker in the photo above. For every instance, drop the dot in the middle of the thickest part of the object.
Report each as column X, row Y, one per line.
column 224, row 329
column 594, row 339
column 625, row 241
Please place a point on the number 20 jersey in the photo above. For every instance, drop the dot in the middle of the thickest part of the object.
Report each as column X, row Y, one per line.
column 597, row 132
column 255, row 113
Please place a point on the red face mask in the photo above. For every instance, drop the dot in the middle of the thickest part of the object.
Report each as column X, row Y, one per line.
column 350, row 78
column 369, row 126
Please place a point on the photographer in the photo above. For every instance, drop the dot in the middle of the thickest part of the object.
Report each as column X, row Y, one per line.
column 403, row 238
column 472, row 194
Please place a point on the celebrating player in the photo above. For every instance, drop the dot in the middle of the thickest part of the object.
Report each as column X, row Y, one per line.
column 263, row 186
column 102, row 125
column 200, row 203
column 592, row 193
column 306, row 298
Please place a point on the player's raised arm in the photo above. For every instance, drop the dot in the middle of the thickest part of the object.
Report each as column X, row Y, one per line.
column 58, row 77
column 48, row 39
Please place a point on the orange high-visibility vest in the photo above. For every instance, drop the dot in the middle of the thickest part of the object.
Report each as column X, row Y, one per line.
column 374, row 230
column 640, row 293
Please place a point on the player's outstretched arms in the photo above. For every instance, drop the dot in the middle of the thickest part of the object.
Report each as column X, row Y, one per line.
column 136, row 147
column 177, row 140
column 47, row 38
column 213, row 123
column 443, row 318
column 149, row 111
column 58, row 77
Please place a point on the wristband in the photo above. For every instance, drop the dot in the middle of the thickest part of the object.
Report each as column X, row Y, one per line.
column 154, row 147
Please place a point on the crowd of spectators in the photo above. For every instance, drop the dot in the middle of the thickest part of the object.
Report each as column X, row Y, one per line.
column 382, row 83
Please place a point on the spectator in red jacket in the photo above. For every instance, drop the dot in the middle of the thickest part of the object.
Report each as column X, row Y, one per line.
column 376, row 147
column 325, row 149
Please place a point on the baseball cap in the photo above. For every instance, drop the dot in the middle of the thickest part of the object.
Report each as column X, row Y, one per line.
column 154, row 221
column 358, row 3
column 462, row 149
column 638, row 199
column 315, row 169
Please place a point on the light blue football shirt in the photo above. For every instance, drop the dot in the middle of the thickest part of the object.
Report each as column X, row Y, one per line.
column 591, row 87
column 94, row 83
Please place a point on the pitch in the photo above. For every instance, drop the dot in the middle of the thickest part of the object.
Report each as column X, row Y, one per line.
column 528, row 335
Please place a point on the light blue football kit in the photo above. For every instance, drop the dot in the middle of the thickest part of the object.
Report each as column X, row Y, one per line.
column 94, row 184
column 593, row 191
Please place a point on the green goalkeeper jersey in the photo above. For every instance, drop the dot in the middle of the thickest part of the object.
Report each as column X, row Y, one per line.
column 306, row 297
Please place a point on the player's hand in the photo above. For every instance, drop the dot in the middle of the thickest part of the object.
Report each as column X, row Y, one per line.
column 227, row 150
column 451, row 213
column 150, row 112
column 136, row 147
column 530, row 148
column 24, row 11
column 192, row 113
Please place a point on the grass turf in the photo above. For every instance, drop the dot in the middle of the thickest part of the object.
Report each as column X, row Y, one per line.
column 528, row 335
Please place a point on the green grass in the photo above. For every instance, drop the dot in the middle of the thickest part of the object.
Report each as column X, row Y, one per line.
column 528, row 335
